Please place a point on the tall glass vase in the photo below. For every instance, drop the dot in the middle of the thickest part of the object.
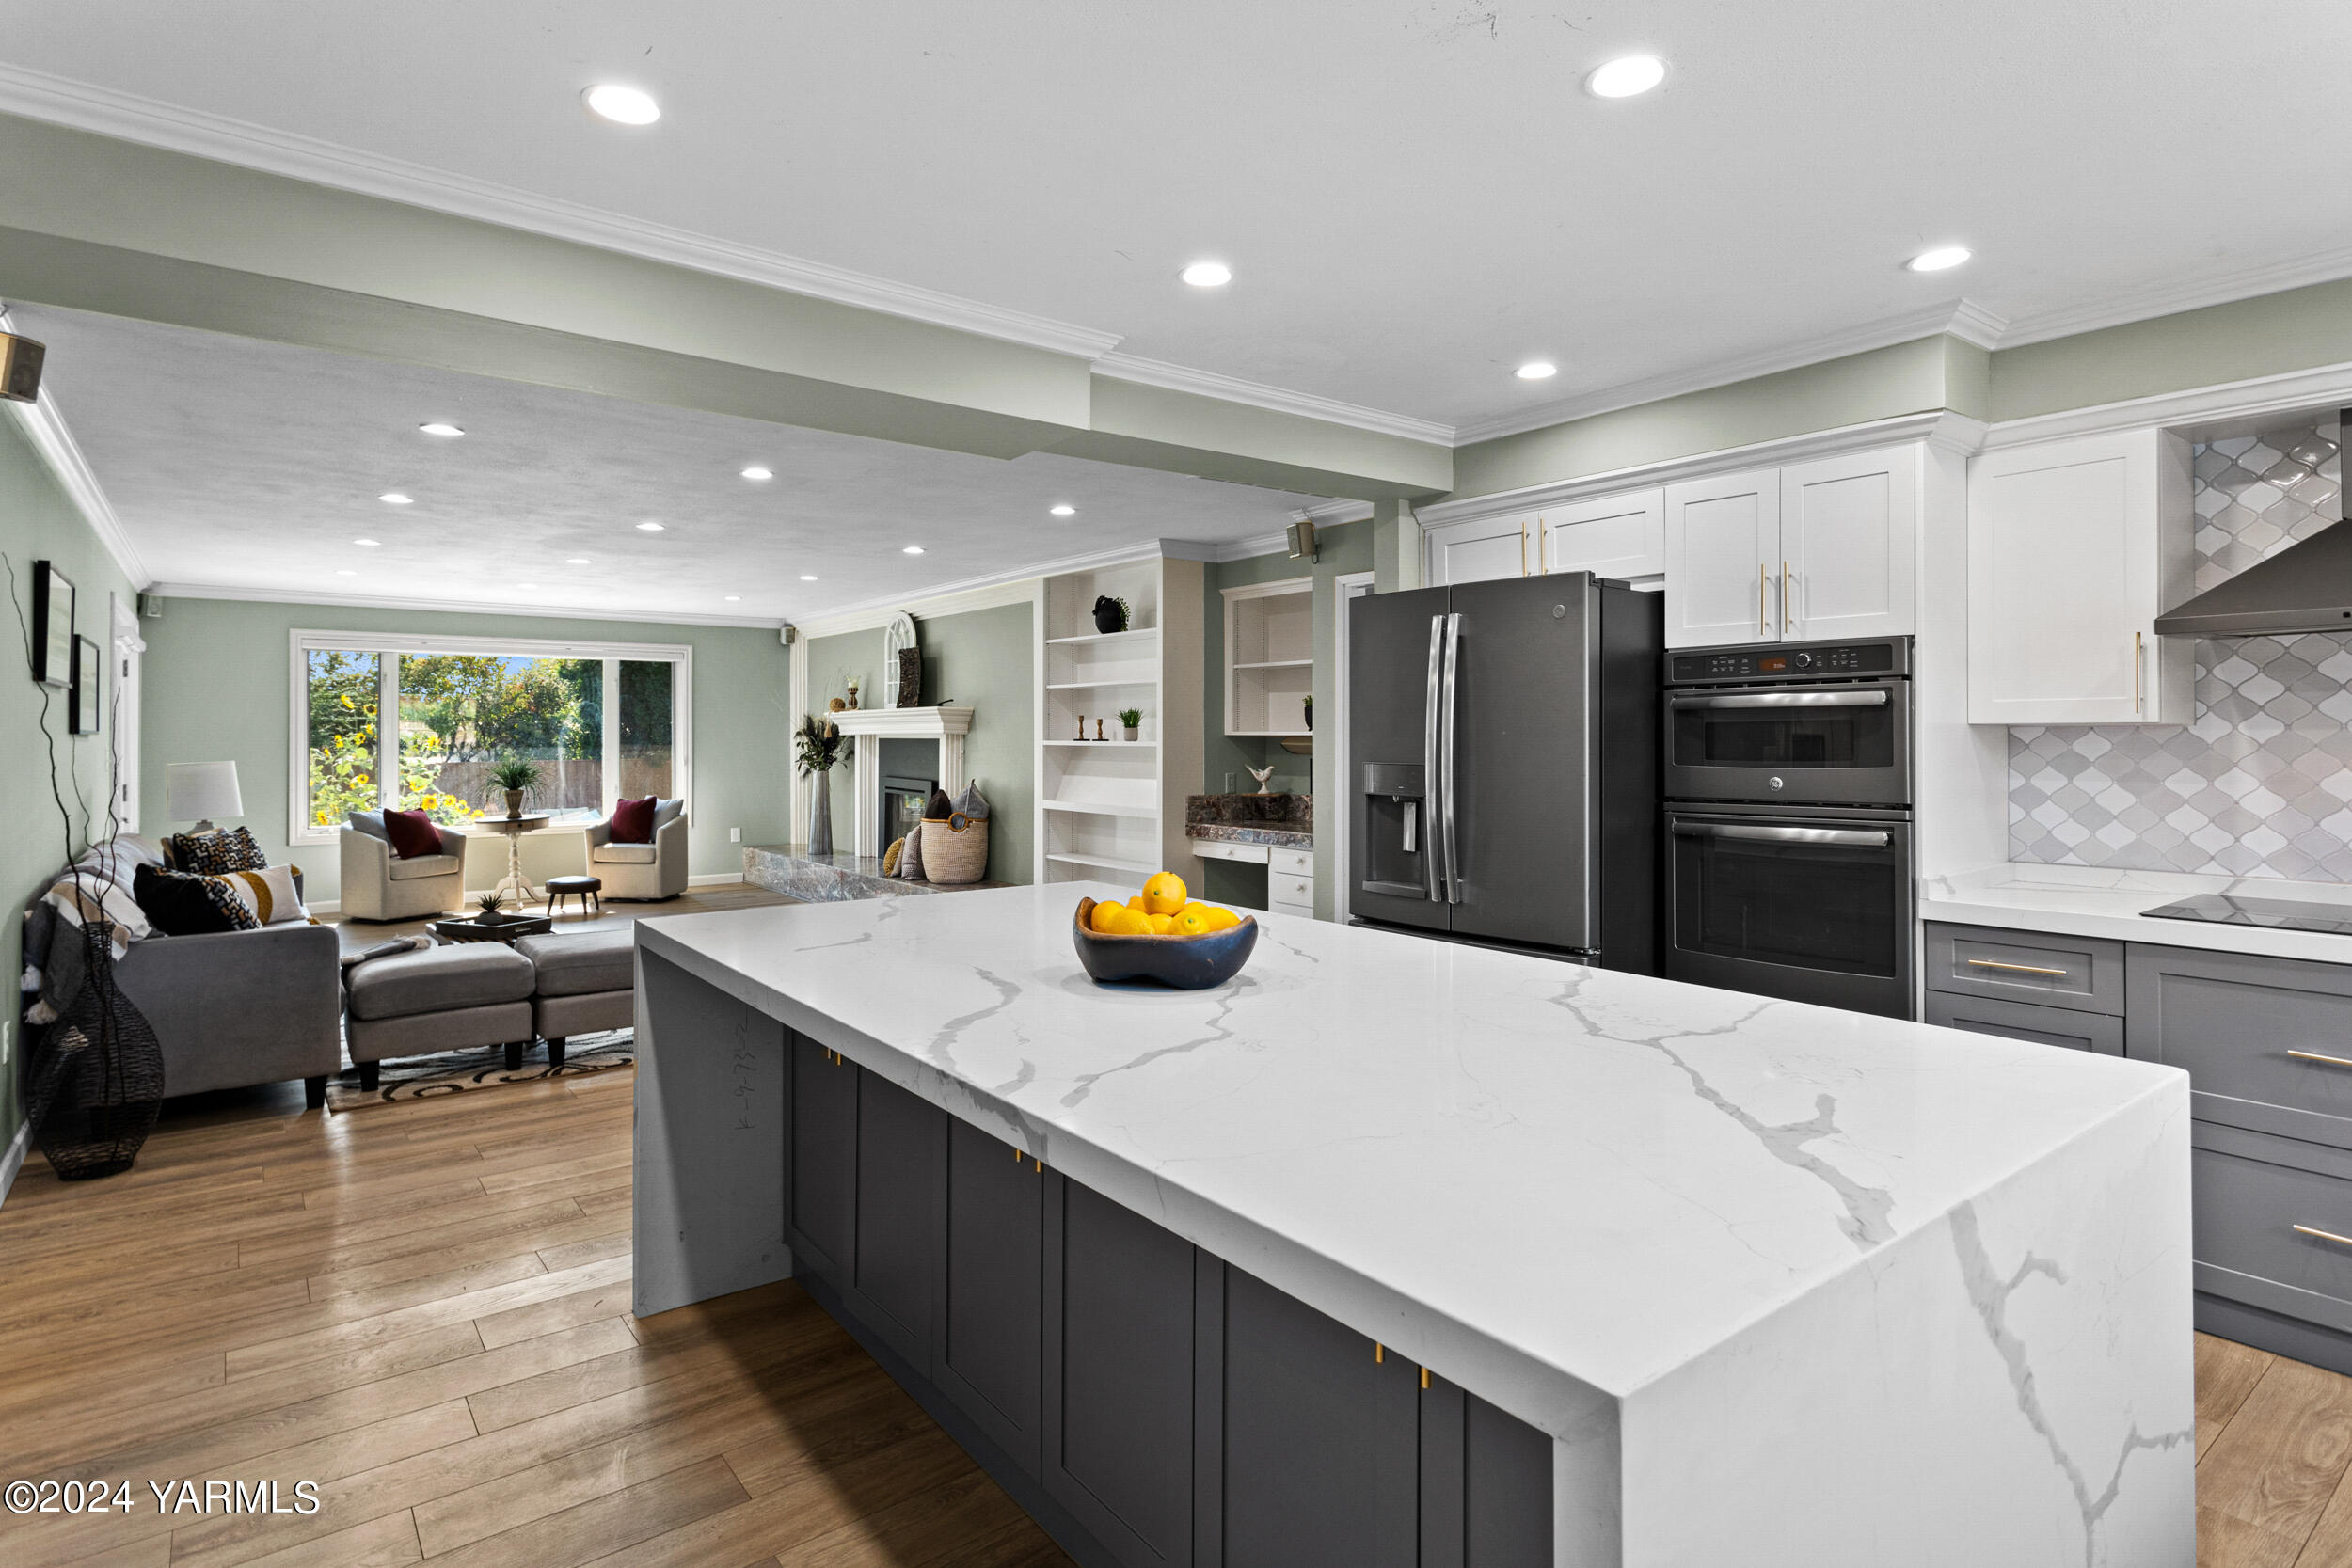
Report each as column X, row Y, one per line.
column 821, row 815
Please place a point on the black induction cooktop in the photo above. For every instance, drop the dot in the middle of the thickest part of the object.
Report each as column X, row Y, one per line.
column 2280, row 914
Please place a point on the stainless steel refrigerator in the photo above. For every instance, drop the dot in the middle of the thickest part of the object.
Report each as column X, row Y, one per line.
column 1503, row 766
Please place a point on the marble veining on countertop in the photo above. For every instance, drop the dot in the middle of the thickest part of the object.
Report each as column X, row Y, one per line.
column 2097, row 901
column 1552, row 1177
column 1273, row 838
column 1291, row 812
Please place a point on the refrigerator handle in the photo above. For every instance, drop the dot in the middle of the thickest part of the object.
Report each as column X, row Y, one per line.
column 1433, row 871
column 1445, row 758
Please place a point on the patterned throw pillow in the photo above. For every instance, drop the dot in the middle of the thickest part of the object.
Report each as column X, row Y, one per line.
column 267, row 895
column 181, row 904
column 216, row 854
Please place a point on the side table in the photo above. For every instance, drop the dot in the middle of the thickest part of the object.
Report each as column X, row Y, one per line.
column 514, row 883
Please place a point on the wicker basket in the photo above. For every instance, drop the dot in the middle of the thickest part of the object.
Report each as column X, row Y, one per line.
column 955, row 849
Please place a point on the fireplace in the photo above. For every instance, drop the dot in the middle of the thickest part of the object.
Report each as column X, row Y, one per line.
column 901, row 807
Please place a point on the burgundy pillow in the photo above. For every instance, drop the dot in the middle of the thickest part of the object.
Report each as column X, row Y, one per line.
column 632, row 821
column 412, row 833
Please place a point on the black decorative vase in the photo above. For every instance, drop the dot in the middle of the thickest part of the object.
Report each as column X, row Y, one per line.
column 1109, row 614
column 95, row 1080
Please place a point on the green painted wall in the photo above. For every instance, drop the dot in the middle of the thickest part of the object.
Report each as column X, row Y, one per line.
column 1344, row 549
column 984, row 660
column 39, row 523
column 217, row 672
column 1906, row 378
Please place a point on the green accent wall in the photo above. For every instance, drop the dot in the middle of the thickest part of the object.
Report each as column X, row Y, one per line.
column 38, row 522
column 984, row 660
column 218, row 674
column 1341, row 549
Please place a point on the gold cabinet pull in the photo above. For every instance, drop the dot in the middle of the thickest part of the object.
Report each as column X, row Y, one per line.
column 2315, row 1057
column 1784, row 598
column 2014, row 969
column 2323, row 1235
column 1541, row 543
column 2135, row 672
column 1522, row 549
column 1379, row 1353
column 1424, row 1377
column 1763, row 581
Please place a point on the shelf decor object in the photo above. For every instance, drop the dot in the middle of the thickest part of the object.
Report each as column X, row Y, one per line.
column 53, row 625
column 902, row 663
column 819, row 745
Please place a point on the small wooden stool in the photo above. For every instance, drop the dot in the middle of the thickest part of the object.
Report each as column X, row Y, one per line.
column 588, row 890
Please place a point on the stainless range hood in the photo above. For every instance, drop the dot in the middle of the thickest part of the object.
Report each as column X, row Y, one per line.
column 2305, row 587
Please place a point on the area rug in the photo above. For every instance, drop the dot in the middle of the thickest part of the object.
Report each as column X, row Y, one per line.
column 457, row 1072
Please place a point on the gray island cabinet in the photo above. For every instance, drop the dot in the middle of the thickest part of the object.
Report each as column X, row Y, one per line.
column 1393, row 1252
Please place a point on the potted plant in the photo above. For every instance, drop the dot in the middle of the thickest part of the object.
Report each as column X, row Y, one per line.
column 1110, row 614
column 493, row 907
column 819, row 745
column 514, row 775
column 1129, row 717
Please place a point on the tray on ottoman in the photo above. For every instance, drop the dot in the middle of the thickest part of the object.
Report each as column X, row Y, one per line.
column 510, row 931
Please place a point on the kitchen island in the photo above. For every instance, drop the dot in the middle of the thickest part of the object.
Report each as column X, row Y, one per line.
column 1394, row 1251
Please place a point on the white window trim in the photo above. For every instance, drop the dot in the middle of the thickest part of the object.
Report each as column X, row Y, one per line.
column 302, row 642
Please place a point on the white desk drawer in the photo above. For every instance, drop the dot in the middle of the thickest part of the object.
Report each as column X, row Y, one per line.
column 1217, row 849
column 1292, row 862
column 1296, row 911
column 1291, row 890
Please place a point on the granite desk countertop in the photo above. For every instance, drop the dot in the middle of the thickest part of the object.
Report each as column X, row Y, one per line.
column 1277, row 821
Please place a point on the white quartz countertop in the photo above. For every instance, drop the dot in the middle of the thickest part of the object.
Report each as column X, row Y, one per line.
column 2090, row 901
column 1546, row 1181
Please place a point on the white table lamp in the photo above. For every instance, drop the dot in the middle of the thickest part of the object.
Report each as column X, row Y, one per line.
column 200, row 791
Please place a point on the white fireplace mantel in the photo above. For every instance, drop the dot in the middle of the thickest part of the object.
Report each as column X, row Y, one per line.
column 945, row 725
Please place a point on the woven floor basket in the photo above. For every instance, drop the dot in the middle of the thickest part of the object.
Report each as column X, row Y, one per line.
column 955, row 849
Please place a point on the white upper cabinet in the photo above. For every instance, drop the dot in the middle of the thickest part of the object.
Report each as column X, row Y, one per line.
column 1478, row 548
column 1610, row 536
column 2074, row 549
column 1846, row 540
column 1723, row 549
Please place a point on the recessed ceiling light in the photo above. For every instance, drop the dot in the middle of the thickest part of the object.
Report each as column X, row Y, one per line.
column 393, row 498
column 911, row 549
column 622, row 106
column 758, row 473
column 649, row 528
column 735, row 598
column 1064, row 511
column 367, row 544
column 1938, row 260
column 439, row 428
column 577, row 561
column 1208, row 275
column 808, row 576
column 1537, row 369
column 1628, row 77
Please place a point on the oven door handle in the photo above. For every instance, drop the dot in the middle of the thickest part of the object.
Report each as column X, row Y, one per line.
column 1859, row 837
column 1874, row 697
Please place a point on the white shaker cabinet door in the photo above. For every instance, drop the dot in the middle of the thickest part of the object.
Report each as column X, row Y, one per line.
column 1722, row 552
column 1845, row 542
column 2074, row 549
column 1478, row 548
column 1610, row 536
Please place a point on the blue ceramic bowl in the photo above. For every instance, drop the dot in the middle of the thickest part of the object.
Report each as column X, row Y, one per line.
column 1187, row 963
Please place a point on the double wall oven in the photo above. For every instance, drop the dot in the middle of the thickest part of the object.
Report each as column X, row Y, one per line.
column 1787, row 784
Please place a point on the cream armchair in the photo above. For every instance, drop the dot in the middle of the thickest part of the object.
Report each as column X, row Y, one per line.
column 655, row 870
column 378, row 885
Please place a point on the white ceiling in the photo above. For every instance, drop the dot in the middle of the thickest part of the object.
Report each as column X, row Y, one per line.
column 253, row 465
column 1414, row 194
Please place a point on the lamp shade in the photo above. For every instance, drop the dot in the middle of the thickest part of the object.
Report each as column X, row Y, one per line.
column 197, row 790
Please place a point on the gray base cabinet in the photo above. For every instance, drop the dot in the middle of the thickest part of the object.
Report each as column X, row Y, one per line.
column 1151, row 1406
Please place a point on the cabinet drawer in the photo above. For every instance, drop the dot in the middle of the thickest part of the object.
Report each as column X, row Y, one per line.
column 2027, row 966
column 1292, row 862
column 2023, row 1021
column 2266, row 1042
column 1217, row 849
column 2249, row 1192
column 1290, row 890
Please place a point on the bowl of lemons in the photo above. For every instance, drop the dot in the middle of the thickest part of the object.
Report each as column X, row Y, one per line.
column 1162, row 934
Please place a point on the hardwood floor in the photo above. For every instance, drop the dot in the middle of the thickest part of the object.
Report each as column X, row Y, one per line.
column 425, row 1309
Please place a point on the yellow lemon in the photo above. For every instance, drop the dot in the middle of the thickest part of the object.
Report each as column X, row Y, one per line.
column 1162, row 925
column 1114, row 920
column 1193, row 921
column 1164, row 893
column 1137, row 904
column 1222, row 919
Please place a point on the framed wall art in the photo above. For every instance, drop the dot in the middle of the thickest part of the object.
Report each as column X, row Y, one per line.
column 53, row 625
column 89, row 688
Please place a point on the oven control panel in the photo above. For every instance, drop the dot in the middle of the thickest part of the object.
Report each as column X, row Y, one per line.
column 1785, row 662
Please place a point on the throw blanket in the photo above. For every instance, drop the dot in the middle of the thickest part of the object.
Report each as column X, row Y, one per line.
column 95, row 891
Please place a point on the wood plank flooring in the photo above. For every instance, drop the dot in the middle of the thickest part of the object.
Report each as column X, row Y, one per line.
column 425, row 1309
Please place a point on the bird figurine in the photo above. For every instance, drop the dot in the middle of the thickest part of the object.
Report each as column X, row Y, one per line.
column 1262, row 775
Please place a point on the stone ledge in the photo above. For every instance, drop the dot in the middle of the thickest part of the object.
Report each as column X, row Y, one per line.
column 791, row 870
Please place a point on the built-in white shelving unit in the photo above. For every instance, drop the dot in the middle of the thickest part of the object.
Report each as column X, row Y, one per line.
column 1114, row 810
column 1269, row 656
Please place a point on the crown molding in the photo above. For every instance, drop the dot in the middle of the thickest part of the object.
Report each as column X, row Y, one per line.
column 457, row 607
column 1227, row 389
column 2228, row 403
column 1972, row 322
column 59, row 100
column 43, row 423
column 1937, row 427
column 1333, row 514
column 1961, row 319
column 2169, row 299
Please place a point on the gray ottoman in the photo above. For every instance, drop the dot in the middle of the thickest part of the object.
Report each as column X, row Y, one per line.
column 587, row 980
column 438, row 998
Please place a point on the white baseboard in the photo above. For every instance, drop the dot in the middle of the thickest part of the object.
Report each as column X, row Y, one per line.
column 13, row 1161
column 324, row 905
column 716, row 879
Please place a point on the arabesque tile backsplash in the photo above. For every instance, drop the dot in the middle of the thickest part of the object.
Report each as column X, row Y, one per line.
column 2260, row 783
